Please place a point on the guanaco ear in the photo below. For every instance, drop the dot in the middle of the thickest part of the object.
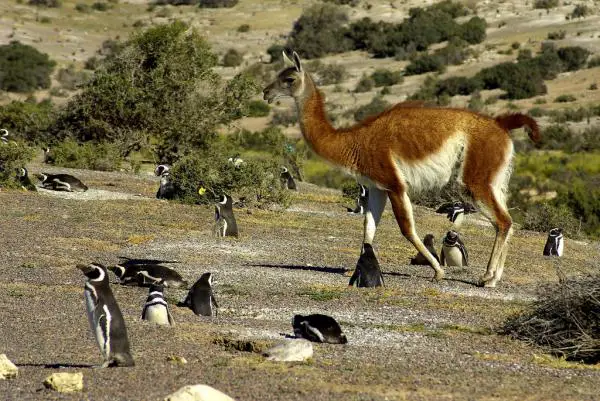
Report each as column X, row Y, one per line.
column 286, row 59
column 297, row 62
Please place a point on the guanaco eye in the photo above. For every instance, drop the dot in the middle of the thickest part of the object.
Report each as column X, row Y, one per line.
column 288, row 80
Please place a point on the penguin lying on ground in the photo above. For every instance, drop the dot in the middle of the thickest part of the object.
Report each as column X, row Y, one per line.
column 26, row 183
column 318, row 328
column 555, row 243
column 106, row 320
column 367, row 272
column 146, row 274
column 226, row 225
column 455, row 211
column 454, row 252
column 201, row 299
column 361, row 201
column 156, row 309
column 167, row 188
column 286, row 179
column 61, row 182
column 429, row 242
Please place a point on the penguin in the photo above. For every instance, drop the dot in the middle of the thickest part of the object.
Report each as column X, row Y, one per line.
column 367, row 272
column 361, row 202
column 156, row 309
column 106, row 320
column 236, row 160
column 48, row 157
column 167, row 188
column 455, row 211
column 554, row 243
column 26, row 183
column 201, row 299
column 226, row 226
column 454, row 252
column 4, row 135
column 318, row 328
column 429, row 242
column 146, row 274
column 61, row 182
column 287, row 180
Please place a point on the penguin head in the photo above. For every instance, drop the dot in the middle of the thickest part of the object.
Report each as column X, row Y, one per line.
column 94, row 272
column 451, row 237
column 118, row 270
column 225, row 200
column 206, row 278
column 22, row 172
column 4, row 134
column 161, row 169
column 157, row 286
column 284, row 170
column 297, row 321
column 42, row 176
column 555, row 232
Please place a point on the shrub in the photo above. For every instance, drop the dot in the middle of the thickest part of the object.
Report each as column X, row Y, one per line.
column 320, row 31
column 425, row 63
column 256, row 181
column 573, row 57
column 328, row 74
column 217, row 3
column 101, row 156
column 365, row 84
column 454, row 53
column 92, row 63
column 232, row 58
column 580, row 11
column 593, row 86
column 258, row 108
column 545, row 4
column 271, row 140
column 243, row 28
column 12, row 157
column 556, row 136
column 83, row 7
column 351, row 3
column 515, row 45
column 70, row 78
column 543, row 217
column 457, row 86
column 101, row 6
column 23, row 68
column 564, row 99
column 46, row 3
column 376, row 106
column 284, row 117
column 383, row 77
column 473, row 31
column 276, row 53
column 594, row 62
column 518, row 80
column 27, row 120
column 557, row 35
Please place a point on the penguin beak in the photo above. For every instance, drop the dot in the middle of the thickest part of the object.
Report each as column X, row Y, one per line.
column 84, row 268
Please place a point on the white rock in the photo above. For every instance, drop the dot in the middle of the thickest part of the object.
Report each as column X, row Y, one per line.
column 296, row 350
column 8, row 370
column 65, row 382
column 199, row 392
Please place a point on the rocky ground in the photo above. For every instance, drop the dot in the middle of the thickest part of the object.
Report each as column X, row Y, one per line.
column 412, row 340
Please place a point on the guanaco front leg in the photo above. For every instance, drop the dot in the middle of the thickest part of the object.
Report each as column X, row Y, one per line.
column 404, row 216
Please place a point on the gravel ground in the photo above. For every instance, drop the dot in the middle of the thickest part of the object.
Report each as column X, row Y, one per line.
column 412, row 340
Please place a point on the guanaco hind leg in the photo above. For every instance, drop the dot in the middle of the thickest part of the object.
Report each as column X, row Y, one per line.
column 377, row 200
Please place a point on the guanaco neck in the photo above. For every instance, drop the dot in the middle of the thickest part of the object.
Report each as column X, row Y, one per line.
column 337, row 147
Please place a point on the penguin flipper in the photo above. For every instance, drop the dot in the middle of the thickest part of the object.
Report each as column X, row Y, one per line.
column 103, row 333
column 312, row 332
column 354, row 277
column 170, row 317
column 442, row 257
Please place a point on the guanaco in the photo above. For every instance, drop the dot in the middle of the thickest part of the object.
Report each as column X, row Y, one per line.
column 407, row 149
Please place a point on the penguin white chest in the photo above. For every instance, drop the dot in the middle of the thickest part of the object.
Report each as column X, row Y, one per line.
column 157, row 314
column 453, row 256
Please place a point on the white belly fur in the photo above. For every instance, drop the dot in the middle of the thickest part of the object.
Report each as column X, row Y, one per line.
column 157, row 314
column 453, row 256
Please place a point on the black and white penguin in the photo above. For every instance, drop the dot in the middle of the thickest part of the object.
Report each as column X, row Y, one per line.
column 167, row 188
column 429, row 242
column 106, row 320
column 48, row 156
column 318, row 328
column 226, row 226
column 454, row 252
column 61, row 182
column 367, row 272
column 201, row 299
column 362, row 201
column 286, row 179
column 25, row 181
column 4, row 135
column 147, row 274
column 555, row 243
column 456, row 211
column 156, row 309
column 236, row 161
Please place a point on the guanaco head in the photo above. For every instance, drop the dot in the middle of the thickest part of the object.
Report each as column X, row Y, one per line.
column 289, row 82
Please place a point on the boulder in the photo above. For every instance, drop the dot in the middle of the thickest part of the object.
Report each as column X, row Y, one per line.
column 65, row 382
column 199, row 392
column 8, row 370
column 297, row 350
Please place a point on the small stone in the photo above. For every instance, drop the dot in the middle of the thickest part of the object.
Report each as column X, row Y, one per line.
column 8, row 370
column 199, row 392
column 177, row 359
column 297, row 350
column 65, row 382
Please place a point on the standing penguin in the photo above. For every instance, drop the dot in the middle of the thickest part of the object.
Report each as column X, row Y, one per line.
column 318, row 328
column 554, row 243
column 201, row 299
column 26, row 183
column 429, row 242
column 4, row 135
column 455, row 211
column 226, row 226
column 367, row 272
column 362, row 201
column 167, row 188
column 286, row 179
column 156, row 309
column 454, row 252
column 106, row 320
column 61, row 182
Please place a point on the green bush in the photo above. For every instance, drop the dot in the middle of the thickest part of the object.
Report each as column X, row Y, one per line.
column 584, row 200
column 284, row 117
column 232, row 58
column 557, row 35
column 258, row 108
column 425, row 63
column 454, row 53
column 217, row 3
column 276, row 53
column 101, row 6
column 473, row 31
column 70, row 78
column 545, row 4
column 23, row 68
column 257, row 181
column 543, row 217
column 13, row 156
column 580, row 11
column 374, row 107
column 93, row 156
column 457, row 86
column 271, row 140
column 328, row 74
column 565, row 99
column 27, row 120
column 573, row 57
column 351, row 3
column 83, row 7
column 384, row 77
column 365, row 84
column 594, row 62
column 243, row 28
column 46, row 3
